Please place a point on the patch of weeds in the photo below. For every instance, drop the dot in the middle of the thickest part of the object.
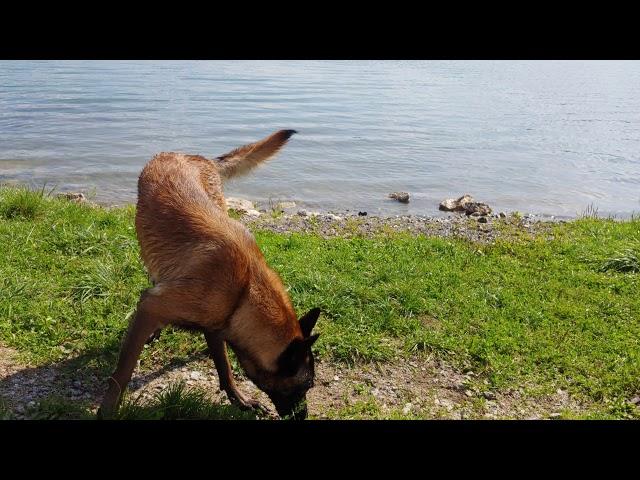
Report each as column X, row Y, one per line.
column 369, row 409
column 292, row 242
column 621, row 408
column 597, row 414
column 425, row 342
column 20, row 203
column 353, row 346
column 58, row 408
column 358, row 410
column 176, row 402
column 361, row 389
column 314, row 223
column 590, row 212
column 274, row 209
column 235, row 214
column 351, row 227
column 5, row 411
column 387, row 231
column 626, row 261
column 99, row 283
column 276, row 213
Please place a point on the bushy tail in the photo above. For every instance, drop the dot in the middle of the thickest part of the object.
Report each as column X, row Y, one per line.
column 244, row 158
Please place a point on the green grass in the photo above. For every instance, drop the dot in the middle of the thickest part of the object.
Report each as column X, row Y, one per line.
column 529, row 311
column 235, row 214
column 58, row 408
column 177, row 402
column 5, row 411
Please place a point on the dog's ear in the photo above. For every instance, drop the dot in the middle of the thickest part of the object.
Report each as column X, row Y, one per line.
column 309, row 341
column 308, row 321
column 289, row 360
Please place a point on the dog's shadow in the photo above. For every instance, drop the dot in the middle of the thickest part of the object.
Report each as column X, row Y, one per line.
column 81, row 380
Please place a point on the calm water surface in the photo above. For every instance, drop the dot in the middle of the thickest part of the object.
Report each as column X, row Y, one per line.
column 542, row 137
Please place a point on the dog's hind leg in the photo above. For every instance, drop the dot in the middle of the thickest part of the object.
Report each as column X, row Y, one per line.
column 154, row 336
column 218, row 352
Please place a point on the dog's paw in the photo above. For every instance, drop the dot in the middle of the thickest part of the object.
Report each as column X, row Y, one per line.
column 246, row 403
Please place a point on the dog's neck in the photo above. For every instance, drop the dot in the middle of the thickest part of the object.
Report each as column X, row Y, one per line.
column 264, row 323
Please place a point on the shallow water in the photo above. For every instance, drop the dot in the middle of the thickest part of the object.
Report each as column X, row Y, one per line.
column 546, row 137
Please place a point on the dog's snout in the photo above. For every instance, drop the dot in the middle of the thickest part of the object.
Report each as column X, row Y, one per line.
column 291, row 407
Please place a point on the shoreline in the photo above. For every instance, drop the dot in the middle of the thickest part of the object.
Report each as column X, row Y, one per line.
column 288, row 217
column 331, row 225
column 292, row 207
column 265, row 207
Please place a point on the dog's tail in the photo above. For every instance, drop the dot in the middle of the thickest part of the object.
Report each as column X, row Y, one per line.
column 244, row 158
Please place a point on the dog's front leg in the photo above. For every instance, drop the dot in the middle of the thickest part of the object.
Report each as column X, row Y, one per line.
column 218, row 352
column 143, row 324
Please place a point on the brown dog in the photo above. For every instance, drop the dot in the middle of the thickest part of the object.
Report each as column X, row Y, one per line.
column 209, row 275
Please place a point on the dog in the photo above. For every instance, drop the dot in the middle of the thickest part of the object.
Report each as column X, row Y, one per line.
column 209, row 275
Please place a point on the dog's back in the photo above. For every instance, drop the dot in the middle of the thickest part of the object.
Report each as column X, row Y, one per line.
column 182, row 224
column 182, row 212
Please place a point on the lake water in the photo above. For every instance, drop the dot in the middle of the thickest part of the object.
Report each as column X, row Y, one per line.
column 545, row 137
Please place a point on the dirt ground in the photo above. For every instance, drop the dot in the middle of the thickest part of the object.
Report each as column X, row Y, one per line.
column 408, row 388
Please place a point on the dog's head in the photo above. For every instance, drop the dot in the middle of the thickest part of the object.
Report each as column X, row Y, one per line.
column 287, row 387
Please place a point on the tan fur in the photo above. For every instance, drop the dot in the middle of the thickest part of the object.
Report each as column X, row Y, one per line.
column 207, row 269
column 243, row 159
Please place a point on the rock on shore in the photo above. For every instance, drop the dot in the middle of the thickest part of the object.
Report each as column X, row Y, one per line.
column 466, row 204
column 402, row 197
column 243, row 206
column 77, row 197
